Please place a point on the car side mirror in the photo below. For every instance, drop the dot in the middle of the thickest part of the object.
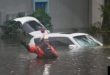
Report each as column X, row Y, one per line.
column 71, row 46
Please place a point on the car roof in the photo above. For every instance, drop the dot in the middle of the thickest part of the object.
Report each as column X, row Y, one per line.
column 65, row 35
column 26, row 19
column 27, row 27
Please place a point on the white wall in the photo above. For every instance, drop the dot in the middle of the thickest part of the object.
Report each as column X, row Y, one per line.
column 13, row 7
column 96, row 11
column 69, row 14
column 66, row 14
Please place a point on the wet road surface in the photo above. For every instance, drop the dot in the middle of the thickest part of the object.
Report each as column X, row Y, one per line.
column 15, row 60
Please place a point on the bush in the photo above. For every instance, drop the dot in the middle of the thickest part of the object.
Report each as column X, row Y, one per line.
column 106, row 17
column 11, row 28
column 43, row 17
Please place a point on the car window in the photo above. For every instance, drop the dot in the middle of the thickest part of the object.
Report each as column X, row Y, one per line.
column 64, row 41
column 85, row 41
column 31, row 26
column 34, row 25
column 37, row 41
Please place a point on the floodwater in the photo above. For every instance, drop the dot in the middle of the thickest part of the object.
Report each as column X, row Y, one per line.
column 15, row 60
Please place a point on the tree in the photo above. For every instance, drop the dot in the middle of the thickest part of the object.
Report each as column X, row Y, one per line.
column 43, row 17
column 106, row 16
column 106, row 22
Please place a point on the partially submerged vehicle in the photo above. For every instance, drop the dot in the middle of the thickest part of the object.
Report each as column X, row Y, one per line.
column 35, row 28
column 74, row 40
column 32, row 26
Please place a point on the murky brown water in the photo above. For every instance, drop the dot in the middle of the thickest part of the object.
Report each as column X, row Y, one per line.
column 15, row 60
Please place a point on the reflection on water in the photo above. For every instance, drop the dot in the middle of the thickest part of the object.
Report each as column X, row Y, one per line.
column 40, row 66
column 47, row 69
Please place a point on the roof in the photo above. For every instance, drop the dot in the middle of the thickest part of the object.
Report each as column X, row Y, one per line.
column 65, row 35
column 26, row 19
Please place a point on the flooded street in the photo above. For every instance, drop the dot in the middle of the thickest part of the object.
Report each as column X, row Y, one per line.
column 15, row 60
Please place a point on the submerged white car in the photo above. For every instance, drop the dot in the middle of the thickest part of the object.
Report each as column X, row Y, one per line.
column 33, row 27
column 74, row 40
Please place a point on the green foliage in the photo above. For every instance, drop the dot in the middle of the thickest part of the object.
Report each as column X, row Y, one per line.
column 43, row 17
column 11, row 29
column 93, row 30
column 106, row 16
column 105, row 10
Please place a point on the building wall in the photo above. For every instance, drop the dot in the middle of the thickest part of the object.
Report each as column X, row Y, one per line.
column 96, row 11
column 12, row 7
column 68, row 15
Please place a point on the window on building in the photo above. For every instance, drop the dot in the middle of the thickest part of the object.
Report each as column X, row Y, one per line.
column 40, row 5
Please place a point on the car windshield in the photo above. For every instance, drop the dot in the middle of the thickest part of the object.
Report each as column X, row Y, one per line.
column 85, row 41
column 31, row 26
